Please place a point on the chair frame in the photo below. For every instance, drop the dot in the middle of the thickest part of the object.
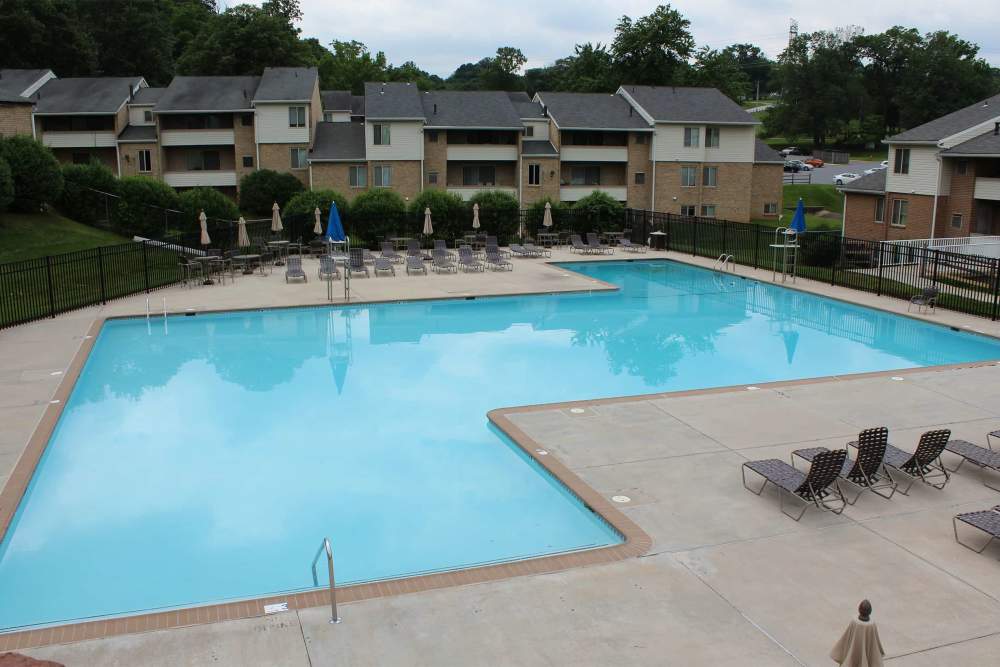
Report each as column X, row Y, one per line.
column 415, row 264
column 925, row 463
column 356, row 263
column 328, row 275
column 966, row 518
column 816, row 486
column 293, row 268
column 971, row 456
column 383, row 264
column 866, row 471
column 927, row 299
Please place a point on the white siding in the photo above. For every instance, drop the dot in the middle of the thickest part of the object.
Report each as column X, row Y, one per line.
column 406, row 141
column 987, row 188
column 736, row 144
column 467, row 193
column 594, row 153
column 271, row 124
column 223, row 137
column 137, row 116
column 79, row 139
column 969, row 133
column 923, row 171
column 541, row 131
column 577, row 192
column 479, row 152
column 337, row 116
column 190, row 179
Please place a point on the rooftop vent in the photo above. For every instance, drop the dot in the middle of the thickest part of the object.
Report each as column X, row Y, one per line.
column 435, row 108
column 996, row 129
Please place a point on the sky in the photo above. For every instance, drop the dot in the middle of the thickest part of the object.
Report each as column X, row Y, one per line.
column 441, row 35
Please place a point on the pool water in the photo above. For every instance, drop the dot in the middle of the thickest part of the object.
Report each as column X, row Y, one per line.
column 201, row 459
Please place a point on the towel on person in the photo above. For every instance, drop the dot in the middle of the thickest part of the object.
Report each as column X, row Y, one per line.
column 859, row 646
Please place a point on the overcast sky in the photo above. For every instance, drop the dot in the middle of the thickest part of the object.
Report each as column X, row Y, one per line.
column 441, row 35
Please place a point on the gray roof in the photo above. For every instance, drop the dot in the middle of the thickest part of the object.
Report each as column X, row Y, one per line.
column 287, row 84
column 956, row 121
column 13, row 82
column 528, row 109
column 336, row 100
column 872, row 184
column 592, row 111
column 339, row 141
column 148, row 96
column 764, row 153
column 985, row 144
column 208, row 93
column 138, row 133
column 538, row 147
column 470, row 108
column 89, row 95
column 357, row 105
column 392, row 100
column 675, row 104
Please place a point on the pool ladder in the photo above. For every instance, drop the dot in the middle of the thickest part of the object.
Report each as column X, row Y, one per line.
column 325, row 546
column 725, row 263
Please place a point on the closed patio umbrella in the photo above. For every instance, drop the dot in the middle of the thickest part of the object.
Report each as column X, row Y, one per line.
column 475, row 216
column 547, row 218
column 276, row 218
column 203, row 220
column 242, row 238
column 318, row 227
column 428, row 227
column 799, row 219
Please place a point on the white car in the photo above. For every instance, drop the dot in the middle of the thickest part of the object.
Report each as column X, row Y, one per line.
column 885, row 164
column 872, row 170
column 847, row 177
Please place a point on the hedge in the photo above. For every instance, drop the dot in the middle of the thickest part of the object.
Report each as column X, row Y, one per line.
column 260, row 189
column 79, row 200
column 34, row 170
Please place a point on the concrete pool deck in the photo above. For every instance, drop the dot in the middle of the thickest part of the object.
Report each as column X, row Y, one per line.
column 728, row 580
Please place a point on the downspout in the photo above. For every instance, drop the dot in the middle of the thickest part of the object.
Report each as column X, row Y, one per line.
column 652, row 154
column 843, row 217
column 118, row 158
column 937, row 193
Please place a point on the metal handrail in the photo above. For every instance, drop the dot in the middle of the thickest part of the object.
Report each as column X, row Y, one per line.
column 725, row 261
column 325, row 546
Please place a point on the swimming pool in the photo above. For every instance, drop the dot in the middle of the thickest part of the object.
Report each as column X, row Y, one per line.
column 201, row 459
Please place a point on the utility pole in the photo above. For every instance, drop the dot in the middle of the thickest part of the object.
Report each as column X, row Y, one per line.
column 793, row 30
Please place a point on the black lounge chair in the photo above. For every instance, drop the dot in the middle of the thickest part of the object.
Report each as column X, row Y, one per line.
column 985, row 459
column 520, row 251
column 496, row 262
column 597, row 245
column 415, row 264
column 577, row 245
column 383, row 265
column 328, row 268
column 925, row 463
column 356, row 263
column 538, row 251
column 626, row 244
column 818, row 487
column 987, row 521
column 927, row 299
column 867, row 470
column 293, row 269
column 440, row 245
column 467, row 261
column 442, row 262
column 390, row 254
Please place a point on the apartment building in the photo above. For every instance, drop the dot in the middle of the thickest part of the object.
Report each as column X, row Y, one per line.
column 17, row 98
column 943, row 180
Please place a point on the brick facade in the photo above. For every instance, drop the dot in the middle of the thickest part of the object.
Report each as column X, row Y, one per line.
column 731, row 197
column 436, row 158
column 549, row 185
column 129, row 155
column 639, row 161
column 405, row 176
column 106, row 156
column 859, row 217
column 960, row 200
column 766, row 183
column 278, row 157
column 244, row 146
column 336, row 176
column 15, row 119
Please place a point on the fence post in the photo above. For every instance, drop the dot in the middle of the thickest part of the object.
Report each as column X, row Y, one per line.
column 100, row 272
column 669, row 231
column 694, row 239
column 836, row 261
column 937, row 254
column 725, row 235
column 878, row 284
column 756, row 245
column 145, row 267
column 996, row 289
column 52, row 296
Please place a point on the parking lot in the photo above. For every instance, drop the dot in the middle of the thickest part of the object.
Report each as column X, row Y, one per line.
column 825, row 175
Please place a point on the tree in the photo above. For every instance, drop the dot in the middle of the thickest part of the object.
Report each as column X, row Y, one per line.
column 886, row 57
column 140, row 208
column 654, row 49
column 307, row 201
column 6, row 185
column 376, row 214
column 81, row 198
column 34, row 170
column 501, row 72
column 260, row 189
column 216, row 205
column 135, row 38
column 755, row 64
column 449, row 214
column 601, row 209
column 721, row 69
column 589, row 70
column 47, row 34
column 187, row 18
column 499, row 212
column 349, row 65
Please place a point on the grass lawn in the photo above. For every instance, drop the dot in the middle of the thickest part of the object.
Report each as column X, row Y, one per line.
column 870, row 156
column 825, row 196
column 30, row 235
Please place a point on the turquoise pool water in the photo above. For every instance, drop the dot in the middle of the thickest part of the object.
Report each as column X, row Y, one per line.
column 204, row 458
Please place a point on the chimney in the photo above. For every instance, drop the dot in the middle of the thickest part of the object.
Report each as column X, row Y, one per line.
column 996, row 129
column 435, row 108
column 630, row 111
column 244, row 93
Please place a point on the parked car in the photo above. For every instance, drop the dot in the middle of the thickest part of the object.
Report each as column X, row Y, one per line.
column 814, row 162
column 798, row 165
column 791, row 150
column 846, row 177
column 868, row 172
column 885, row 164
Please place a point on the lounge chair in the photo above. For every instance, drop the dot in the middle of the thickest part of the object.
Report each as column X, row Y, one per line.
column 467, row 261
column 356, row 263
column 867, row 470
column 496, row 262
column 492, row 244
column 626, row 244
column 537, row 251
column 390, row 254
column 927, row 299
column 415, row 264
column 328, row 268
column 984, row 458
column 383, row 265
column 577, row 245
column 598, row 246
column 293, row 269
column 519, row 250
column 440, row 244
column 413, row 249
column 442, row 262
column 817, row 487
column 925, row 463
column 987, row 521
column 191, row 270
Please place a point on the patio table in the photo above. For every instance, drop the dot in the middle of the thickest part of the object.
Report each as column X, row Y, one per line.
column 246, row 260
column 612, row 238
column 207, row 261
column 399, row 242
column 281, row 248
column 548, row 239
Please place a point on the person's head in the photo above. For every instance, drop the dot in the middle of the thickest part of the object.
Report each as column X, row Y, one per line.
column 864, row 610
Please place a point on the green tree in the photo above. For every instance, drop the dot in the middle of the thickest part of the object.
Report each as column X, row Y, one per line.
column 216, row 205
column 307, row 201
column 720, row 69
column 47, row 34
column 35, row 171
column 755, row 64
column 409, row 71
column 260, row 189
column 348, row 65
column 449, row 214
column 602, row 211
column 81, row 198
column 6, row 185
column 501, row 73
column 377, row 214
column 589, row 70
column 135, row 38
column 144, row 207
column 499, row 213
column 187, row 18
column 654, row 49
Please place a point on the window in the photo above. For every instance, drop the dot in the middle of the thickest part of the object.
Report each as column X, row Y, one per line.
column 81, row 158
column 640, row 138
column 382, row 176
column 145, row 161
column 381, row 134
column 432, row 177
column 880, row 210
column 432, row 136
column 203, row 161
column 902, row 164
column 688, row 210
column 640, row 178
column 298, row 156
column 479, row 175
column 534, row 174
column 529, row 131
column 711, row 137
column 689, row 177
column 296, row 116
column 710, row 177
column 708, row 210
column 327, row 116
column 900, row 208
column 246, row 120
column 147, row 115
column 691, row 137
column 956, row 220
column 248, row 162
column 357, row 177
column 962, row 167
column 585, row 176
column 771, row 208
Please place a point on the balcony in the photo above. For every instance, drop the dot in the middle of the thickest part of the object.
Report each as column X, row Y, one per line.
column 467, row 192
column 571, row 193
column 479, row 152
column 214, row 137
column 987, row 188
column 594, row 153
column 102, row 139
column 207, row 178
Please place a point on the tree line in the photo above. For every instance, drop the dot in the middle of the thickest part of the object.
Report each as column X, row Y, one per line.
column 838, row 86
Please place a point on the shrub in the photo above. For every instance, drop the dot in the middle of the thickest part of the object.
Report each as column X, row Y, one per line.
column 34, row 171
column 376, row 214
column 216, row 205
column 536, row 214
column 449, row 214
column 78, row 200
column 600, row 210
column 499, row 213
column 308, row 201
column 139, row 209
column 6, row 185
column 260, row 189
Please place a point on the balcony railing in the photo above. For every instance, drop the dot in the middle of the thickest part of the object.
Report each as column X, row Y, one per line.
column 467, row 192
column 987, row 188
column 218, row 137
column 481, row 152
column 594, row 154
column 79, row 139
column 570, row 193
column 191, row 179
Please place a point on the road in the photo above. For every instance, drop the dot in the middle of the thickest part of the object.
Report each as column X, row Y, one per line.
column 824, row 175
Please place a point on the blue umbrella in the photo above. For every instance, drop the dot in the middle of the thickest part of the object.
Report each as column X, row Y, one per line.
column 334, row 230
column 799, row 219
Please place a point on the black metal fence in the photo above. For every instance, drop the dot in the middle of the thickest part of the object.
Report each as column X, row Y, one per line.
column 966, row 283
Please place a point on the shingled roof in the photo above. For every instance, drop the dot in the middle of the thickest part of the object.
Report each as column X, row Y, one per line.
column 208, row 93
column 592, row 111
column 338, row 142
column 949, row 124
column 386, row 101
column 677, row 104
column 89, row 95
column 986, row 144
column 869, row 184
column 762, row 153
column 287, row 84
column 335, row 100
column 470, row 108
